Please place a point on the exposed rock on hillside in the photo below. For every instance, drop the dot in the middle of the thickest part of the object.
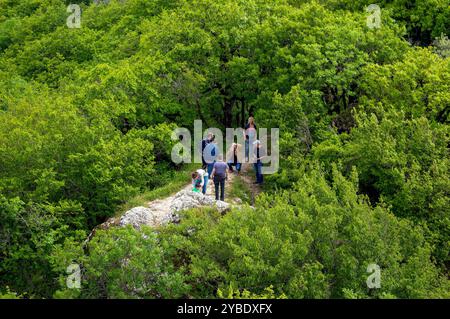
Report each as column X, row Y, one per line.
column 162, row 212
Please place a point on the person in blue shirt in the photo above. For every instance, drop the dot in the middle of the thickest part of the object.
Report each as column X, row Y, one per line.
column 211, row 151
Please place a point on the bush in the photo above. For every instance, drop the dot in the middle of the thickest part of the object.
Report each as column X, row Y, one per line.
column 315, row 241
column 122, row 263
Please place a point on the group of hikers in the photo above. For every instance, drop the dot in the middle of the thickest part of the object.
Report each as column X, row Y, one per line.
column 219, row 168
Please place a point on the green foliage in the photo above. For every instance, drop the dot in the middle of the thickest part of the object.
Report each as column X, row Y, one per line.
column 236, row 294
column 419, row 85
column 404, row 163
column 8, row 294
column 169, row 181
column 161, row 138
column 424, row 19
column 442, row 46
column 240, row 189
column 315, row 241
column 86, row 119
column 125, row 263
column 64, row 175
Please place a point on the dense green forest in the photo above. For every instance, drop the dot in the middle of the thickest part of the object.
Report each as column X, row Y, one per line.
column 86, row 120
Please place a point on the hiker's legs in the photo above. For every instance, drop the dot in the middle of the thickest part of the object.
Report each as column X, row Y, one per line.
column 246, row 150
column 222, row 189
column 259, row 175
column 230, row 167
column 210, row 169
column 216, row 187
column 238, row 167
column 205, row 184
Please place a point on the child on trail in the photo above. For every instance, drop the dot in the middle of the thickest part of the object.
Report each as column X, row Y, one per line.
column 197, row 187
column 196, row 179
column 203, row 177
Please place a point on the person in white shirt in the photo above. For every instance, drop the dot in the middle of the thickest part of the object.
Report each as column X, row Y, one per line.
column 203, row 175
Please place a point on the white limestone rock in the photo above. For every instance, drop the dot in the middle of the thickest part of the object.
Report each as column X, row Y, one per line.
column 136, row 216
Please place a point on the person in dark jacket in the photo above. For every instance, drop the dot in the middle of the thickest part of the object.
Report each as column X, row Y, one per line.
column 209, row 138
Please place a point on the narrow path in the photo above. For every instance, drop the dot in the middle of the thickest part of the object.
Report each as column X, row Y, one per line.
column 162, row 206
column 255, row 189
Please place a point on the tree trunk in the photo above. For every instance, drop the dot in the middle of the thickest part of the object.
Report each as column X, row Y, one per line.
column 227, row 111
column 242, row 113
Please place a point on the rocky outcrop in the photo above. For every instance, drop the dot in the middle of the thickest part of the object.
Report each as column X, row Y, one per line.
column 186, row 200
column 222, row 207
column 237, row 200
column 162, row 212
column 137, row 216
